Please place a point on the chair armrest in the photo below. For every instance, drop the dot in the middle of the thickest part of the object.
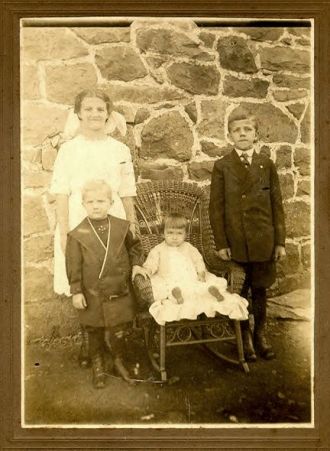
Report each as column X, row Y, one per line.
column 233, row 272
column 143, row 291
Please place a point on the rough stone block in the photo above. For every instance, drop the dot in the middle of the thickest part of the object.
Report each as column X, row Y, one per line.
column 33, row 179
column 128, row 111
column 283, row 157
column 265, row 150
column 49, row 43
column 296, row 109
column 305, row 127
column 50, row 119
column 291, row 263
column 200, row 170
column 212, row 150
column 34, row 216
column 120, row 63
column 102, row 35
column 207, row 38
column 287, row 186
column 274, row 125
column 167, row 135
column 235, row 87
column 159, row 171
column 142, row 115
column 304, row 188
column 235, row 55
column 191, row 110
column 212, row 123
column 290, row 94
column 63, row 83
column 291, row 81
column 300, row 31
column 262, row 33
column 186, row 25
column 306, row 255
column 297, row 216
column 302, row 160
column 30, row 83
column 143, row 93
column 169, row 42
column 38, row 248
column 195, row 78
column 32, row 154
column 285, row 58
column 38, row 285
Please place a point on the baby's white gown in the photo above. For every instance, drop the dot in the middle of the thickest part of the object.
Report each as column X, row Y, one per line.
column 171, row 267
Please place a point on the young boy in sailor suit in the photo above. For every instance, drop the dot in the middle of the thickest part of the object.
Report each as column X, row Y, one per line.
column 247, row 219
column 101, row 254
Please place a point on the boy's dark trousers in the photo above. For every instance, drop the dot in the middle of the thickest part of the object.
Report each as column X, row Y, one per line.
column 258, row 277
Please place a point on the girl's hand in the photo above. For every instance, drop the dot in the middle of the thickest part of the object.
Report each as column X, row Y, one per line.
column 79, row 301
column 279, row 253
column 201, row 276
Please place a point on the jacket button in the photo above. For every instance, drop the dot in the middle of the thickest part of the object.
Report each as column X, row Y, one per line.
column 243, row 196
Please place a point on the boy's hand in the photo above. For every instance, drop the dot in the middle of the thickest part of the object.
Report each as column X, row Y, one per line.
column 139, row 270
column 225, row 254
column 79, row 301
column 201, row 276
column 279, row 253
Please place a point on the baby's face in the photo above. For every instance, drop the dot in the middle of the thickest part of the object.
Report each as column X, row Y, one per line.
column 174, row 237
column 97, row 204
column 243, row 134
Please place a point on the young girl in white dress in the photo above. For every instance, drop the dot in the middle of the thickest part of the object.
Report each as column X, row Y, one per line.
column 182, row 287
column 91, row 154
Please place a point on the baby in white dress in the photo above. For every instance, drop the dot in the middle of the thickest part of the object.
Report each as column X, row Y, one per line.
column 182, row 287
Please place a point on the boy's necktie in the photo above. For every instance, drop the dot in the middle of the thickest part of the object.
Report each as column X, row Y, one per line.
column 245, row 160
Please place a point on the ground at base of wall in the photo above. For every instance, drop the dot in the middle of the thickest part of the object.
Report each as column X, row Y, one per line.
column 200, row 391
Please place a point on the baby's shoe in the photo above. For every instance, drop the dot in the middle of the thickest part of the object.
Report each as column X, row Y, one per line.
column 177, row 294
column 216, row 293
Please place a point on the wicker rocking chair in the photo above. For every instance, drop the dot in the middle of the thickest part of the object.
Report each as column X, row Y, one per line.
column 154, row 200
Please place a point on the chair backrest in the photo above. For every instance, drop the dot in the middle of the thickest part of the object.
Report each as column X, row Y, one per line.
column 158, row 198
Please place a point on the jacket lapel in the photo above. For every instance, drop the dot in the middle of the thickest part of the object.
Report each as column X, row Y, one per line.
column 237, row 167
column 118, row 232
column 86, row 236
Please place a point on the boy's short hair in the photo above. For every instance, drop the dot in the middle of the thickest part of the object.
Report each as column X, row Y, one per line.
column 175, row 221
column 96, row 185
column 242, row 115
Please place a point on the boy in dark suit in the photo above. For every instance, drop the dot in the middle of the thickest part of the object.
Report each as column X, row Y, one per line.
column 247, row 219
column 101, row 256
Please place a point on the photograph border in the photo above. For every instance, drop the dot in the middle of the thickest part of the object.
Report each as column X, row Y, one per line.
column 15, row 437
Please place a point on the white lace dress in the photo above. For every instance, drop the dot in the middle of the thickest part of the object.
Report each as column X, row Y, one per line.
column 172, row 267
column 78, row 161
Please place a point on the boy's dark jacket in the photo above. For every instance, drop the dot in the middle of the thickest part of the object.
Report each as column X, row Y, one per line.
column 84, row 258
column 246, row 210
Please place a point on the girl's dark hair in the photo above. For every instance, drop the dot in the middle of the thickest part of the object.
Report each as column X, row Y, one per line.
column 175, row 221
column 92, row 93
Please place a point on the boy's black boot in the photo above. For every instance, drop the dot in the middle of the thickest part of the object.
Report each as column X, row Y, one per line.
column 259, row 338
column 249, row 352
column 83, row 357
column 99, row 375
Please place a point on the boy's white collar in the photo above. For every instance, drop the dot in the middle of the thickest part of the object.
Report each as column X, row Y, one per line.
column 248, row 153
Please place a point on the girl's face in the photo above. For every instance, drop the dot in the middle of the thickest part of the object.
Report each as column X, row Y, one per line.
column 97, row 203
column 93, row 113
column 174, row 237
column 243, row 134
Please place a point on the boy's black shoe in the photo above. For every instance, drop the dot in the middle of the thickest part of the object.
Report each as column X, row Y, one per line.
column 264, row 349
column 99, row 375
column 121, row 370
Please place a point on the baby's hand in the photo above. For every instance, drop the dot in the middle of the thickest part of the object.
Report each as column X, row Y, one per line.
column 139, row 270
column 79, row 301
column 201, row 276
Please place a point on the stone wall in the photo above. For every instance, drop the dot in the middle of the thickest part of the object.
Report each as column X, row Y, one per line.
column 176, row 83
